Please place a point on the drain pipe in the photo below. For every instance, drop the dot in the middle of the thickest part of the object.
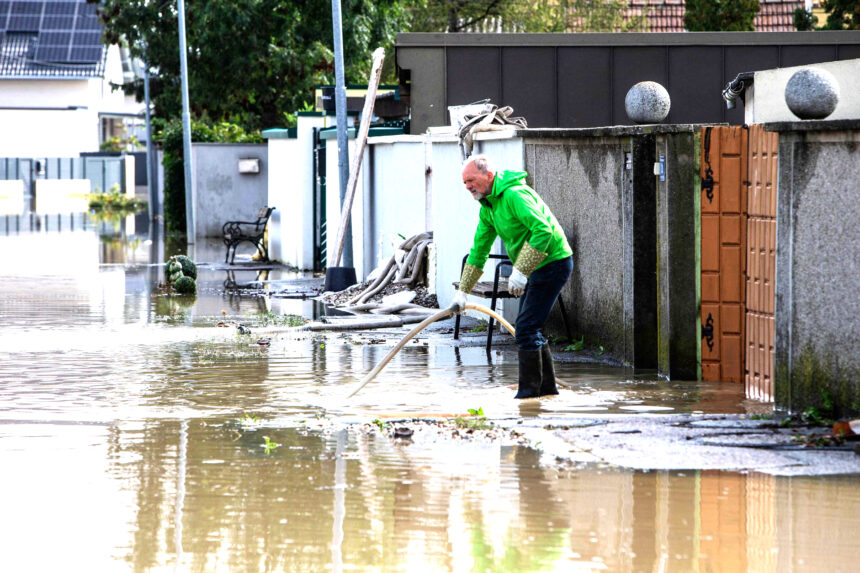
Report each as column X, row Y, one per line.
column 736, row 88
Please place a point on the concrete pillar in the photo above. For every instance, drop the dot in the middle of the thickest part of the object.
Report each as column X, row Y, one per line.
column 816, row 363
column 639, row 215
column 678, row 253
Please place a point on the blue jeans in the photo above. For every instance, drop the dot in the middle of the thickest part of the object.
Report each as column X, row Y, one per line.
column 543, row 287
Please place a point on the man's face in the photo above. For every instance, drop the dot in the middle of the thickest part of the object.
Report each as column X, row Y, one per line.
column 477, row 183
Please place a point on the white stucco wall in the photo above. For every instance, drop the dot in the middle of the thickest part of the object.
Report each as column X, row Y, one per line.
column 48, row 133
column 394, row 195
column 765, row 100
column 291, row 191
column 60, row 118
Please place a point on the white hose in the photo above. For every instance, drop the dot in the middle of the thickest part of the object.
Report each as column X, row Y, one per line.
column 418, row 328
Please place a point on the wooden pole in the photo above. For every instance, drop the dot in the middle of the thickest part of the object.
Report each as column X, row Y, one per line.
column 360, row 142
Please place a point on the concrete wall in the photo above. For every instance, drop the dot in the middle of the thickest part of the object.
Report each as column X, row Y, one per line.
column 817, row 266
column 601, row 186
column 765, row 100
column 580, row 180
column 223, row 194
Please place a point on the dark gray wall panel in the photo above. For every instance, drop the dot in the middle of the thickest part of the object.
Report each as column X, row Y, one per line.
column 802, row 55
column 529, row 84
column 473, row 74
column 695, row 95
column 580, row 80
column 631, row 66
column 584, row 87
column 849, row 52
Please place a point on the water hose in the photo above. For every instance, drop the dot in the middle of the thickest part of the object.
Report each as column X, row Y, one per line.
column 441, row 315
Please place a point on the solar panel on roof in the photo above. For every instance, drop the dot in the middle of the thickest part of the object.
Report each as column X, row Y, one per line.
column 23, row 24
column 85, row 55
column 60, row 8
column 61, row 32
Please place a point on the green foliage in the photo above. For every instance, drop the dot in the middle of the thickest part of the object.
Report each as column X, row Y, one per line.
column 476, row 412
column 284, row 320
column 578, row 345
column 480, row 327
column 115, row 202
column 249, row 61
column 120, row 144
column 269, row 445
column 472, row 424
column 804, row 20
column 189, row 269
column 185, row 285
column 841, row 14
column 172, row 271
column 720, row 15
column 380, row 424
column 522, row 16
column 820, row 415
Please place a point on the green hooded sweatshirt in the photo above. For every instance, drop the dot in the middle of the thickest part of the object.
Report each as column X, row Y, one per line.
column 514, row 212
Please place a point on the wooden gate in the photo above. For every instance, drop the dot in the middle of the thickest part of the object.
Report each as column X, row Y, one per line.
column 723, row 250
column 738, row 222
column 761, row 262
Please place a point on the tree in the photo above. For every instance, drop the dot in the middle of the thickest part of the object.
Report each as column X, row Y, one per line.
column 841, row 14
column 523, row 16
column 720, row 15
column 804, row 20
column 249, row 61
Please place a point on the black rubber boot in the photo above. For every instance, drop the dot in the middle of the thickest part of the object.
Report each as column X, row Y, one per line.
column 548, row 385
column 530, row 374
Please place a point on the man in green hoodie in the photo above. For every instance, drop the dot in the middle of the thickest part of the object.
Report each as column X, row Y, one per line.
column 542, row 259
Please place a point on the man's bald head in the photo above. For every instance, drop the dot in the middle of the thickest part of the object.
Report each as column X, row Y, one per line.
column 478, row 176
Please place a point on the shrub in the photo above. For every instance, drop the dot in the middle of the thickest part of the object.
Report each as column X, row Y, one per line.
column 189, row 269
column 185, row 285
column 172, row 271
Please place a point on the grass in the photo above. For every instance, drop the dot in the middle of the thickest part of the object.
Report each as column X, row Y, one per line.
column 273, row 319
column 480, row 327
column 473, row 423
column 269, row 445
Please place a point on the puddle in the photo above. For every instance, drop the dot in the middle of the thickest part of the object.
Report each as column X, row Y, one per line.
column 133, row 435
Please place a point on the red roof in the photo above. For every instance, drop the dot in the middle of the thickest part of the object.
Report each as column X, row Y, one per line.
column 668, row 15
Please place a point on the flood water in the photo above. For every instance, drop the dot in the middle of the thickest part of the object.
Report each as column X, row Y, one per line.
column 135, row 435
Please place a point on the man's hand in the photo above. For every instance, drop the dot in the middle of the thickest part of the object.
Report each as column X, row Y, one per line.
column 517, row 282
column 459, row 302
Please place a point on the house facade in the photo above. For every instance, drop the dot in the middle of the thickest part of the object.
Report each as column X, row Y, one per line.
column 56, row 98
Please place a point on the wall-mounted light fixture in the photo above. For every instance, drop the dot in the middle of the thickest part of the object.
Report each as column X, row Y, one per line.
column 249, row 166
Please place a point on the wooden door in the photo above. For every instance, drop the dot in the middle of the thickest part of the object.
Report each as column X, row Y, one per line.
column 761, row 262
column 723, row 251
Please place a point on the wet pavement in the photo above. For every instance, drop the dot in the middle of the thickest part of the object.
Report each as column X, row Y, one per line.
column 135, row 434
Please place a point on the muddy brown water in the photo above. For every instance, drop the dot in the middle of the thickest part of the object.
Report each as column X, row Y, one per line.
column 136, row 435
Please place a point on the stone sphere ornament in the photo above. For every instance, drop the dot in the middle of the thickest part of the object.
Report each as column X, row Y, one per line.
column 647, row 102
column 812, row 93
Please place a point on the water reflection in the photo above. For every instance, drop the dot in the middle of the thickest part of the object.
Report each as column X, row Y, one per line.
column 128, row 440
column 205, row 495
